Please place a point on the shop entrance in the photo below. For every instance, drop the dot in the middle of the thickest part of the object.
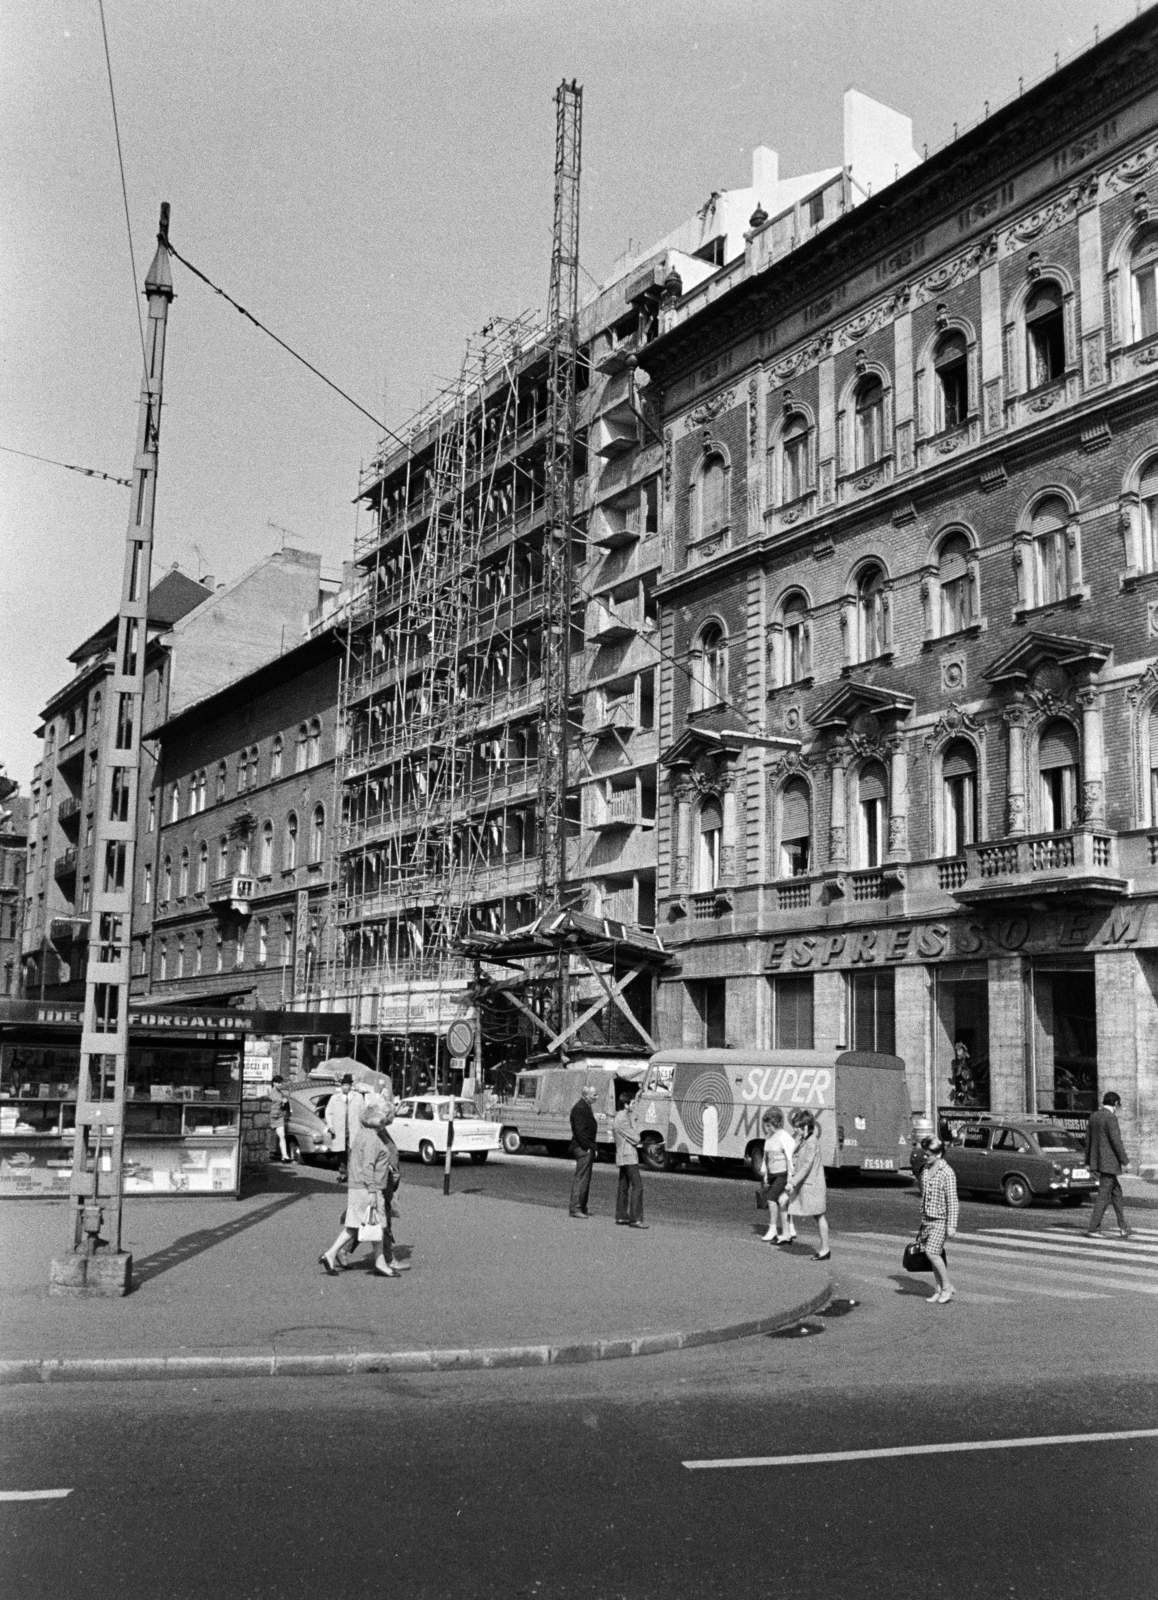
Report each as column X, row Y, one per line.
column 962, row 1035
column 1065, row 1038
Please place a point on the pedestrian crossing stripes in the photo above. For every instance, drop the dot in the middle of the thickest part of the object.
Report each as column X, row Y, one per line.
column 1058, row 1262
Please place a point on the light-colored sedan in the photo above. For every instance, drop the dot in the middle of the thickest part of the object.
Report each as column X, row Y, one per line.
column 421, row 1125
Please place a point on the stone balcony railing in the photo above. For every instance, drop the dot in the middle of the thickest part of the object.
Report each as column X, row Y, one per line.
column 1049, row 864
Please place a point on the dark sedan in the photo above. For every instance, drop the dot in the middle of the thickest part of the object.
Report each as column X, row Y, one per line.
column 1022, row 1159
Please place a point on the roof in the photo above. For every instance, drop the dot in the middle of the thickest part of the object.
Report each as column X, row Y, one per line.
column 272, row 673
column 170, row 599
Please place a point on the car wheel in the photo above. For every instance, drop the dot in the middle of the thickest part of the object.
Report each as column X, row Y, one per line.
column 428, row 1155
column 754, row 1159
column 295, row 1152
column 479, row 1157
column 655, row 1157
column 1016, row 1191
column 510, row 1140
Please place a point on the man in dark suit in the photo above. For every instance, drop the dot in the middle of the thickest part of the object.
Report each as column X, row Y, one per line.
column 1106, row 1155
column 584, row 1133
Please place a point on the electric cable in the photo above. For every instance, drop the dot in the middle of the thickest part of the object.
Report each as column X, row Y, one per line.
column 124, row 187
column 89, row 472
column 197, row 273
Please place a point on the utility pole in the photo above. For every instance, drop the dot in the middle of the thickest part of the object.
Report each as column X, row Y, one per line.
column 563, row 333
column 94, row 1264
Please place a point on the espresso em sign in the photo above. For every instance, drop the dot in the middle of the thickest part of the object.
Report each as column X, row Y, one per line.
column 959, row 940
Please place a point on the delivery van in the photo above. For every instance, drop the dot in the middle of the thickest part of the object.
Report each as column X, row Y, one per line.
column 710, row 1104
column 539, row 1110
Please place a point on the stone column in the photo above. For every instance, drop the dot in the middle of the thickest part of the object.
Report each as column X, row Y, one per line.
column 728, row 842
column 838, row 821
column 1016, row 718
column 1008, row 1043
column 898, row 849
column 1093, row 785
column 683, row 834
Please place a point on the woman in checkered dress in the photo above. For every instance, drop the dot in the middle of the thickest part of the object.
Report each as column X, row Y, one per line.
column 938, row 1215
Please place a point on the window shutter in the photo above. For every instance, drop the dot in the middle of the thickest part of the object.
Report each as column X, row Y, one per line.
column 794, row 811
column 1148, row 488
column 1058, row 747
column 960, row 760
column 711, row 817
column 873, row 782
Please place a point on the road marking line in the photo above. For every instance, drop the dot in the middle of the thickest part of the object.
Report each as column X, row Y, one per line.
column 1073, row 1245
column 1009, row 1265
column 829, row 1457
column 34, row 1494
column 1002, row 1259
column 969, row 1296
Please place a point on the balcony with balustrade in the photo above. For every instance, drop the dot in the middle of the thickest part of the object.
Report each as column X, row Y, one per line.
column 1080, row 864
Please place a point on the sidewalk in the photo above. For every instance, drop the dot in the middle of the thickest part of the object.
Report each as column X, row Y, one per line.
column 235, row 1288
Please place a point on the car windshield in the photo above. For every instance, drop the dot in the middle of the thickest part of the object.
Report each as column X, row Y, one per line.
column 1060, row 1139
column 405, row 1108
column 462, row 1108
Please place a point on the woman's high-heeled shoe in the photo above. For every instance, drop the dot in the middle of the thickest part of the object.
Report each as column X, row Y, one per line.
column 387, row 1272
column 822, row 1255
column 324, row 1261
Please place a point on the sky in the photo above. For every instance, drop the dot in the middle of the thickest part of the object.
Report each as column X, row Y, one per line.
column 373, row 179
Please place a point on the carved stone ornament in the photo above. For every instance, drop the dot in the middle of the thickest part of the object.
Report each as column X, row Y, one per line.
column 868, row 481
column 667, row 463
column 1044, row 402
column 860, row 361
column 806, row 356
column 792, row 514
column 1146, row 688
column 860, row 326
column 950, row 442
column 753, row 415
column 950, row 725
column 1046, row 219
column 1132, row 170
column 1051, row 683
column 789, row 762
column 1146, row 357
column 1018, row 715
column 710, row 409
column 866, row 726
column 953, row 673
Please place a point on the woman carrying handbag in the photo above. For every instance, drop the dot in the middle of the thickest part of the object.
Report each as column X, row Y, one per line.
column 938, row 1219
column 372, row 1175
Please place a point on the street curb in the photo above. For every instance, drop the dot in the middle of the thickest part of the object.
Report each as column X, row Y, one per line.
column 120, row 1369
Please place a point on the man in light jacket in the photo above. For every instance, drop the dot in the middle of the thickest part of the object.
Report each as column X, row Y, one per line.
column 1106, row 1155
column 343, row 1111
column 629, row 1193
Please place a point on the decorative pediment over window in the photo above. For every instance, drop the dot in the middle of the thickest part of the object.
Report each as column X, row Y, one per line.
column 853, row 701
column 720, row 733
column 1032, row 655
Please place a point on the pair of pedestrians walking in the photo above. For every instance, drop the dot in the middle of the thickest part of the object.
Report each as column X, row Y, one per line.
column 584, row 1145
column 373, row 1175
column 793, row 1178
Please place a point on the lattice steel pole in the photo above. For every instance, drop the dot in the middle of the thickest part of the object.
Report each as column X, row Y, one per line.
column 94, row 1264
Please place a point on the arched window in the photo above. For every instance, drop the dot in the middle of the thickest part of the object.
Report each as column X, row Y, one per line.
column 713, row 495
column 870, row 421
column 1148, row 498
column 1050, row 567
column 222, row 772
column 1154, row 765
column 243, row 772
column 291, row 841
column 874, row 788
column 223, row 857
column 318, row 834
column 953, row 576
column 175, row 803
column 164, row 962
column 300, row 749
column 1057, row 763
column 1045, row 337
column 180, row 972
column 795, row 829
column 711, row 839
column 203, row 867
column 243, row 853
column 870, row 614
column 713, row 674
column 314, row 743
column 951, row 365
column 183, row 877
column 275, row 758
column 959, row 786
column 1144, row 286
column 254, row 762
column 95, row 720
column 198, row 955
column 794, row 459
column 797, row 651
column 266, row 866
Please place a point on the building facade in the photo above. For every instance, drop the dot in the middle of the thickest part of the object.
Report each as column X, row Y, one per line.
column 910, row 639
column 13, row 848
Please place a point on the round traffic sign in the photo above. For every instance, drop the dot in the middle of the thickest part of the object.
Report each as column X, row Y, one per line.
column 459, row 1038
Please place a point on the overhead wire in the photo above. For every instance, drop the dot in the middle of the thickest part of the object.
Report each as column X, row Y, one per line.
column 124, row 186
column 89, row 472
column 288, row 348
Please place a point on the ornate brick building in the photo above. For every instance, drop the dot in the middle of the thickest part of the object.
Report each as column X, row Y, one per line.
column 910, row 616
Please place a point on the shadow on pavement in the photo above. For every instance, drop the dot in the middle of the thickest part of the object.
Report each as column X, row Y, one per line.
column 194, row 1244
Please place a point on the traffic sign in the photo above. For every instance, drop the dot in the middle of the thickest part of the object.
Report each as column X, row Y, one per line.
column 460, row 1038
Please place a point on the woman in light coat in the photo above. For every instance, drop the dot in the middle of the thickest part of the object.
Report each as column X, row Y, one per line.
column 372, row 1177
column 776, row 1169
column 808, row 1193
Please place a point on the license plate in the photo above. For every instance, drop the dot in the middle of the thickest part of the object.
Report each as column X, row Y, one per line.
column 879, row 1164
column 1080, row 1172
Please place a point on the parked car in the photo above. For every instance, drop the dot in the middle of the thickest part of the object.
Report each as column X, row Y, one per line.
column 421, row 1125
column 1021, row 1158
column 306, row 1137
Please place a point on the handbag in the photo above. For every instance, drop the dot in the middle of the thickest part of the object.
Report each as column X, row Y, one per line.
column 370, row 1231
column 761, row 1197
column 915, row 1259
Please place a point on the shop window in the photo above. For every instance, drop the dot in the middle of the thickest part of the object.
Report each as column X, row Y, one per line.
column 951, row 366
column 203, row 868
column 265, row 866
column 872, row 1004
column 870, row 614
column 792, row 1027
column 874, row 788
column 711, row 837
column 953, row 578
column 795, row 829
column 318, row 834
column 709, row 999
column 1065, row 1038
column 962, row 1036
column 290, row 860
column 959, row 788
column 869, row 422
column 1144, row 287
column 1050, row 563
column 794, row 477
column 1057, row 764
column 1045, row 336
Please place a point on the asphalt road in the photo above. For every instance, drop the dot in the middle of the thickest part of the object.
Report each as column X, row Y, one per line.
column 571, row 1483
